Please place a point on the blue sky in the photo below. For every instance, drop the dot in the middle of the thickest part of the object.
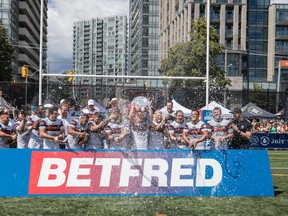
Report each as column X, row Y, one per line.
column 61, row 16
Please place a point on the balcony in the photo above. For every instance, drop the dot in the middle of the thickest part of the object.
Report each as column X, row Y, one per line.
column 283, row 21
column 215, row 18
column 281, row 35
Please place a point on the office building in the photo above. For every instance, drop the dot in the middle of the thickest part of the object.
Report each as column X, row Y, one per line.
column 254, row 34
column 277, row 43
column 228, row 17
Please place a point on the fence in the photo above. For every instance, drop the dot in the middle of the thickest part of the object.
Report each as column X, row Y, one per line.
column 189, row 97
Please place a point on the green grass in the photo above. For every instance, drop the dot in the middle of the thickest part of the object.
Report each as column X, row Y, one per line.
column 122, row 206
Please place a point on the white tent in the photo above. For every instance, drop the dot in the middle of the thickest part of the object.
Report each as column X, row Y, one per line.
column 4, row 103
column 177, row 106
column 225, row 112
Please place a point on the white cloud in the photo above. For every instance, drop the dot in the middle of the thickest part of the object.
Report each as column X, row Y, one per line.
column 61, row 16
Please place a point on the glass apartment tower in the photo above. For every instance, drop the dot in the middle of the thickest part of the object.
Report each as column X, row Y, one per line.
column 144, row 40
column 99, row 48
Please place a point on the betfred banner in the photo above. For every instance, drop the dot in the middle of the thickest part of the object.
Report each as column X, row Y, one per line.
column 269, row 141
column 135, row 173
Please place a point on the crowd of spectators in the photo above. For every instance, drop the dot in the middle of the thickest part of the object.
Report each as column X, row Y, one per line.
column 269, row 126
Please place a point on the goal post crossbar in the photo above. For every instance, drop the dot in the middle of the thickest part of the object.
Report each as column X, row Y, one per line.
column 125, row 77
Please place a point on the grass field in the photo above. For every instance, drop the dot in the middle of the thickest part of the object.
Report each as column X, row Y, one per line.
column 63, row 206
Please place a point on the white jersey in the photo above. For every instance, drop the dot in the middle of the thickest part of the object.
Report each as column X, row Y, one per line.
column 177, row 129
column 66, row 122
column 35, row 141
column 117, row 130
column 73, row 142
column 195, row 132
column 7, row 129
column 52, row 128
column 139, row 133
column 95, row 140
column 156, row 137
column 24, row 136
column 219, row 129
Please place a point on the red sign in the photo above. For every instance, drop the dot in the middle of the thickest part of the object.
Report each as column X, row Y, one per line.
column 284, row 63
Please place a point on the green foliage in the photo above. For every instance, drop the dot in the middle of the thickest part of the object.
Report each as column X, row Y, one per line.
column 258, row 96
column 189, row 59
column 6, row 56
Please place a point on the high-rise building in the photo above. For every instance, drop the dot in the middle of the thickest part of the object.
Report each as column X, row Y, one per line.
column 144, row 40
column 9, row 14
column 277, row 42
column 257, row 33
column 99, row 48
column 228, row 17
column 254, row 34
column 21, row 19
column 29, row 33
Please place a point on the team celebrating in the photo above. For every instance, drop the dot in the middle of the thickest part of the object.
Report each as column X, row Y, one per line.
column 127, row 126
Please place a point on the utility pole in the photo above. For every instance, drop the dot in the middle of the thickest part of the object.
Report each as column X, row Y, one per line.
column 41, row 52
column 278, row 86
column 225, row 69
column 207, row 52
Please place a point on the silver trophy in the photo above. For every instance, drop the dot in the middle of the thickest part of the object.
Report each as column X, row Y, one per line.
column 141, row 102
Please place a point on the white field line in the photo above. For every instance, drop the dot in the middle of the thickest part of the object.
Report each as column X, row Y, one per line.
column 279, row 168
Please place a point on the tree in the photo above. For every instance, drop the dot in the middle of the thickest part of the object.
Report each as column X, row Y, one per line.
column 6, row 56
column 189, row 59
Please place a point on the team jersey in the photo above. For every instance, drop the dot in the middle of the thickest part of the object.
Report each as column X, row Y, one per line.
column 117, row 130
column 156, row 136
column 219, row 129
column 73, row 142
column 172, row 115
column 35, row 141
column 177, row 129
column 7, row 129
column 23, row 137
column 195, row 132
column 66, row 122
column 52, row 128
column 95, row 140
column 139, row 131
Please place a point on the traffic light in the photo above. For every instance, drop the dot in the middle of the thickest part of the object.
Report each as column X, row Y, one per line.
column 71, row 77
column 25, row 71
